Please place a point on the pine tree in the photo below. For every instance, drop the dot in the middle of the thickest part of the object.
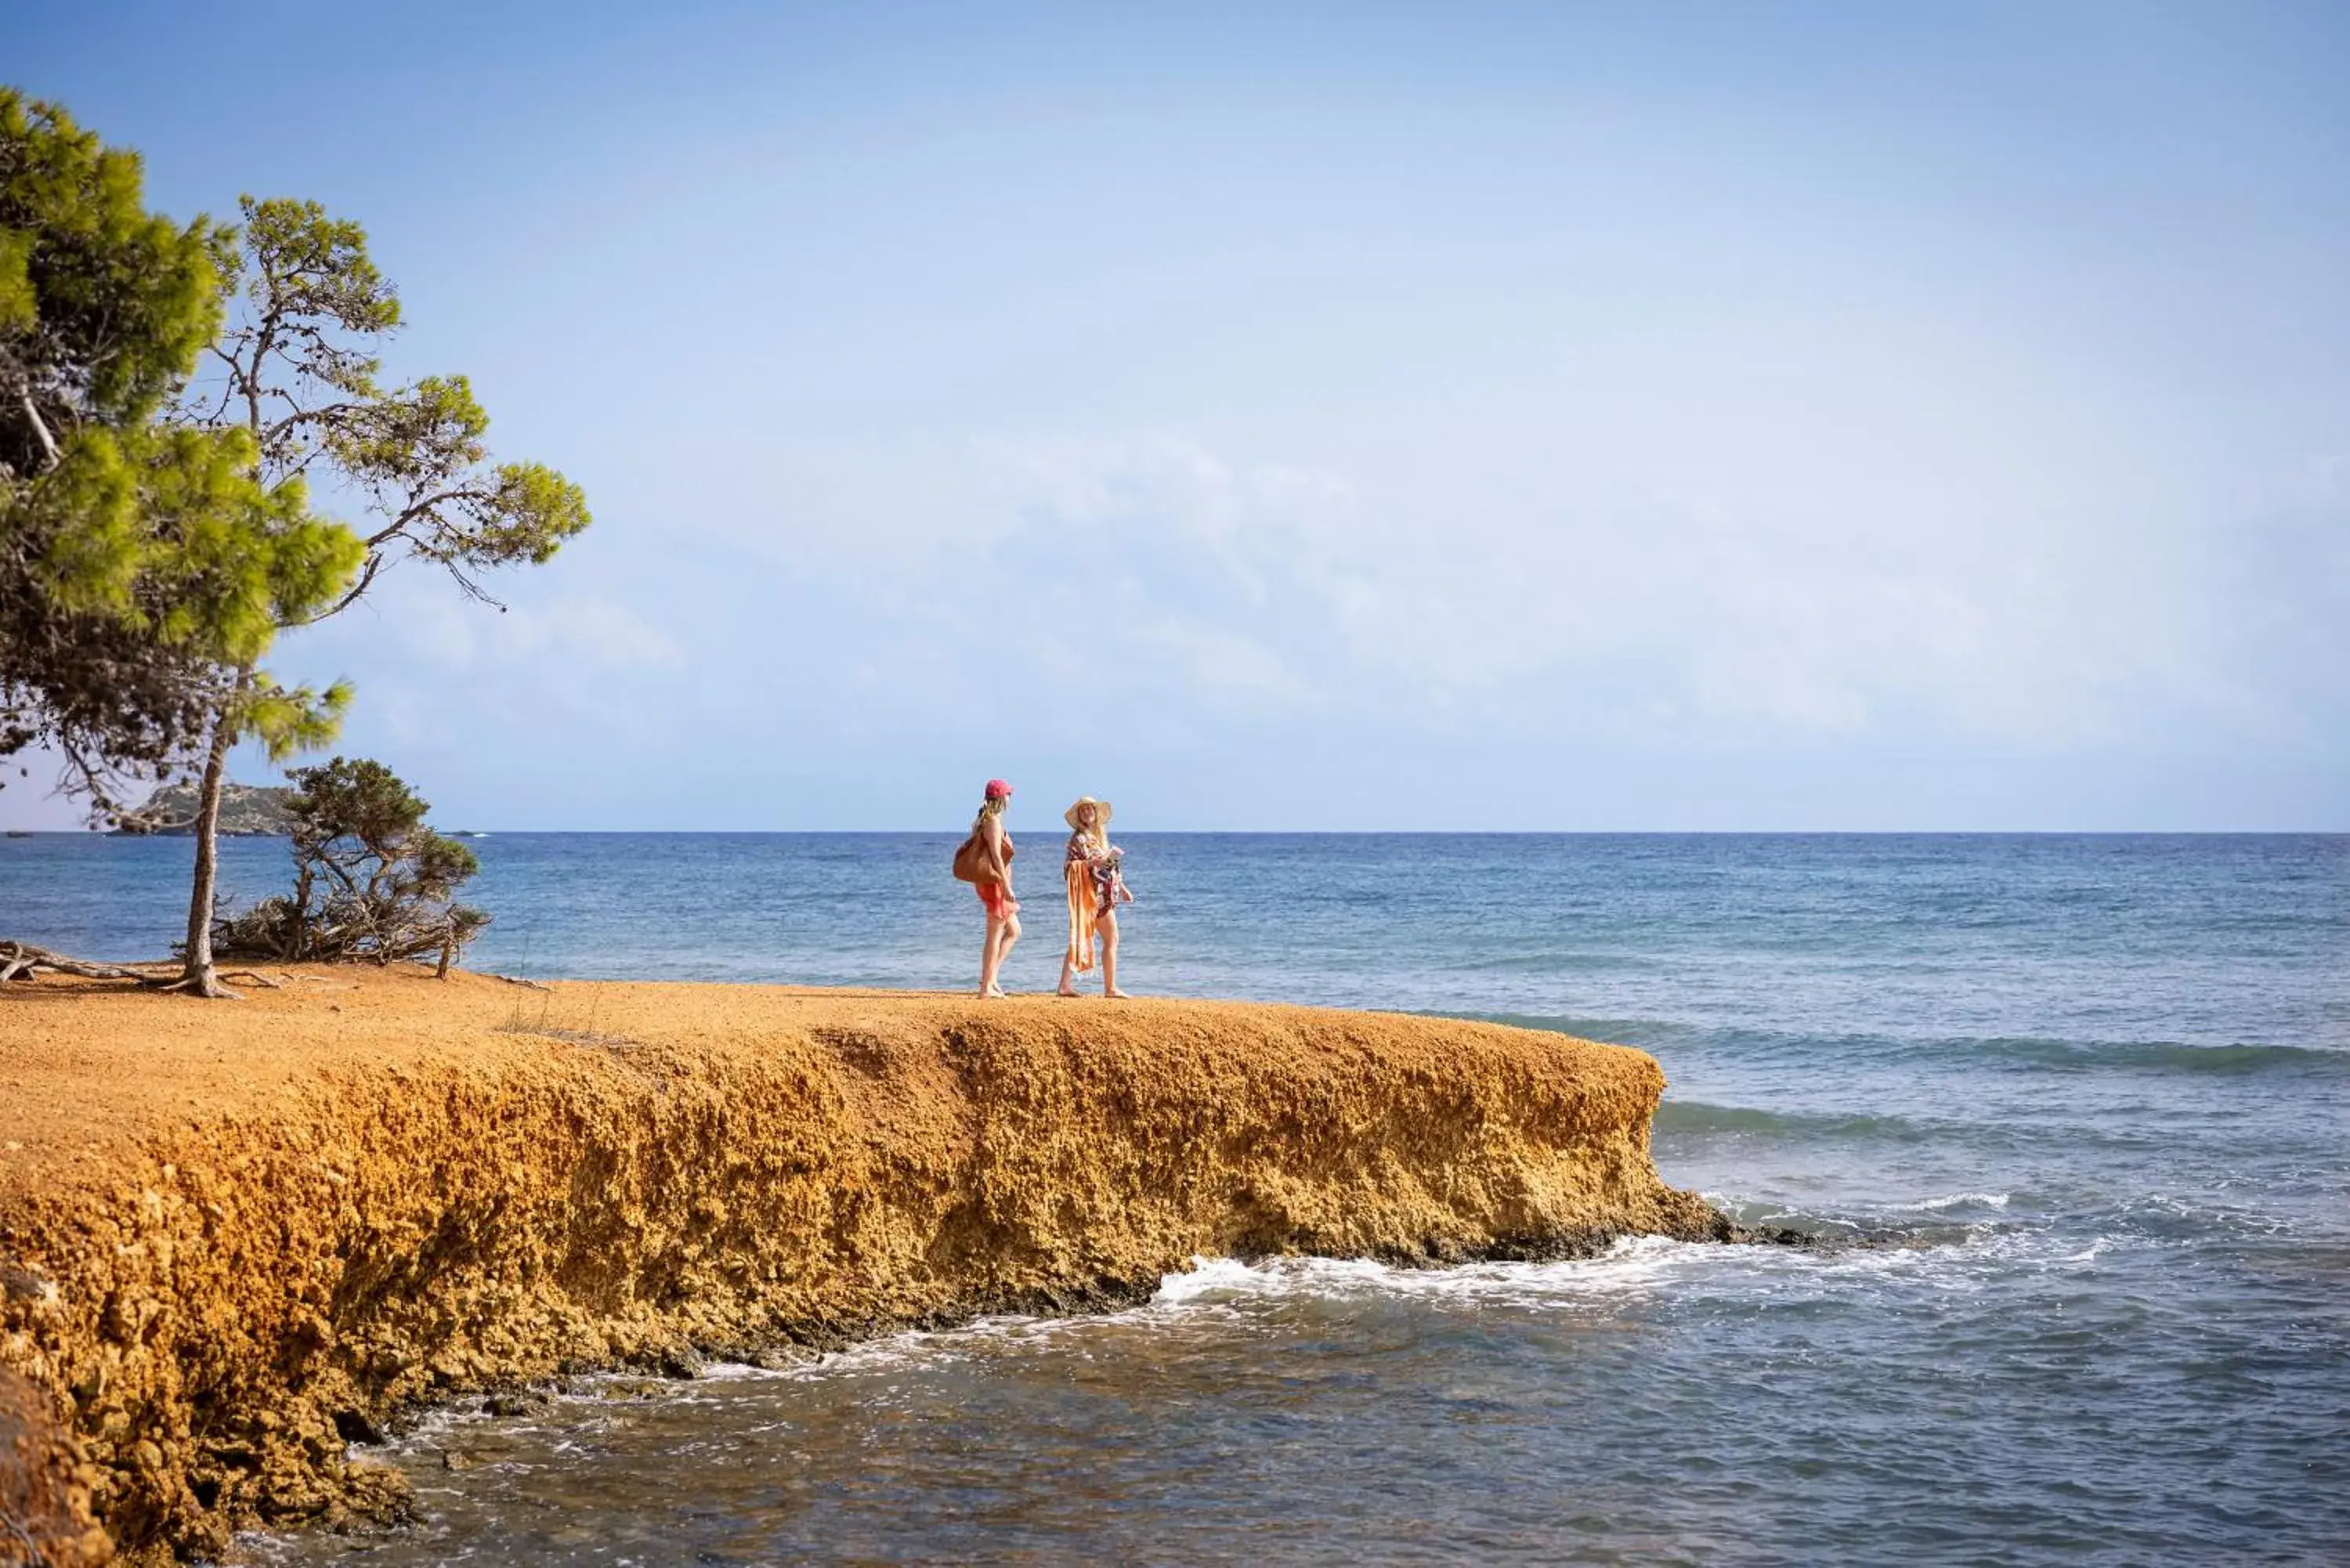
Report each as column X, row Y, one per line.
column 146, row 565
column 371, row 880
column 155, row 527
column 300, row 380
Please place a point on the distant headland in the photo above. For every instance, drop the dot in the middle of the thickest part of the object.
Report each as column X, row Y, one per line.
column 247, row 811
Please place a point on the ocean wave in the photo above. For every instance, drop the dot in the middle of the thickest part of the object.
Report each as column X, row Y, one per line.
column 1645, row 1033
column 1554, row 962
column 1216, row 1291
column 1634, row 1269
column 1217, row 1294
column 1956, row 1201
column 1636, row 1265
column 1697, row 1116
column 2160, row 1056
column 2050, row 1052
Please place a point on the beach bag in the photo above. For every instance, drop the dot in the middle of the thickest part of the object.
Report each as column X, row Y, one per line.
column 971, row 860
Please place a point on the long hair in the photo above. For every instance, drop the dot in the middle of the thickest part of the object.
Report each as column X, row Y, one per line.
column 987, row 808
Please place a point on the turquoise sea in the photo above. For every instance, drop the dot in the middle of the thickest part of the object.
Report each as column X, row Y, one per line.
column 2097, row 1088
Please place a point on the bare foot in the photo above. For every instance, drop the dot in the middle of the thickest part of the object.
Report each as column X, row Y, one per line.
column 992, row 990
column 1118, row 994
column 1066, row 991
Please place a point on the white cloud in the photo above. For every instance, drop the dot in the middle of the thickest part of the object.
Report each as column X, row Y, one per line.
column 587, row 630
column 1998, row 607
column 1221, row 661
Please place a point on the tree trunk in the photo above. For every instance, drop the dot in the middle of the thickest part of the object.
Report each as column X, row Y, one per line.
column 196, row 975
column 298, row 942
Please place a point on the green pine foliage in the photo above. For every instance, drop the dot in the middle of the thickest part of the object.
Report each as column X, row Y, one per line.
column 304, row 375
column 146, row 565
column 371, row 882
column 156, row 527
column 104, row 305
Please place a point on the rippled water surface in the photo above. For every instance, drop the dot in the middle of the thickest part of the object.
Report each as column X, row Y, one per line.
column 2097, row 1089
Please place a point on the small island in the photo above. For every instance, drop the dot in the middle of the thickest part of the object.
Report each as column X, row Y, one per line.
column 247, row 811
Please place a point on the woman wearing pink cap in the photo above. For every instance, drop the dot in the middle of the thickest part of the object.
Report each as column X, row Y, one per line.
column 985, row 862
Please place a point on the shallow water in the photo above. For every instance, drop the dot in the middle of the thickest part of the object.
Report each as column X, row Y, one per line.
column 2099, row 1087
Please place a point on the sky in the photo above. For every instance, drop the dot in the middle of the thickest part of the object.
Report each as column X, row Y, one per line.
column 1678, row 417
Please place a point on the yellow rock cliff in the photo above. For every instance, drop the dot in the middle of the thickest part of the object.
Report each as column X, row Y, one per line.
column 235, row 1237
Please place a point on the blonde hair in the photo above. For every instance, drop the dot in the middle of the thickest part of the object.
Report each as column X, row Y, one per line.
column 987, row 808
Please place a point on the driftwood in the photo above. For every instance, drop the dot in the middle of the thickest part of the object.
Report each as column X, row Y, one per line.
column 23, row 960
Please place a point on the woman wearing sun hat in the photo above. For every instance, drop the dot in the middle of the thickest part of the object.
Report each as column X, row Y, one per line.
column 985, row 862
column 1096, row 887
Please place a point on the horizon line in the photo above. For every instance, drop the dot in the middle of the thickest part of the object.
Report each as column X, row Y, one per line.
column 1307, row 833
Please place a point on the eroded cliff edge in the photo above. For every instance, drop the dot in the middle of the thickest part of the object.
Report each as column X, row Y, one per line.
column 233, row 1237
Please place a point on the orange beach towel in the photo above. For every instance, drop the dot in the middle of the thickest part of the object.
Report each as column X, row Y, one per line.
column 1081, row 915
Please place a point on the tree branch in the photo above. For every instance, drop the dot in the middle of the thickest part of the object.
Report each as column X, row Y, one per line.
column 25, row 958
column 366, row 575
column 424, row 507
column 311, row 415
column 40, row 429
column 473, row 590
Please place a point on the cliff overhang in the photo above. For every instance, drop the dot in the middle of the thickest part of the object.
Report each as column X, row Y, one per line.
column 237, row 1238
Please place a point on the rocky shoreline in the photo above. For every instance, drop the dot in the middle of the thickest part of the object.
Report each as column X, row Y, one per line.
column 237, row 1240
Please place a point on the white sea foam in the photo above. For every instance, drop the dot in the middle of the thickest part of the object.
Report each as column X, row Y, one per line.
column 893, row 1351
column 1633, row 1271
column 1635, row 1266
column 1217, row 1293
column 1957, row 1200
column 734, row 1372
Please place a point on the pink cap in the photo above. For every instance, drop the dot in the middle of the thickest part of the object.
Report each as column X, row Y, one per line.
column 998, row 790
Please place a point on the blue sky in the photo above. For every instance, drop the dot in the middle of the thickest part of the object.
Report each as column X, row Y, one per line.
column 1674, row 417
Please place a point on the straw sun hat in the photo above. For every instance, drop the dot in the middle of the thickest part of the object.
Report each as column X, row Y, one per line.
column 1070, row 816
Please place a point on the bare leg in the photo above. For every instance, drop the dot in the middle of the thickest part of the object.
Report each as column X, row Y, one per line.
column 1068, row 976
column 1009, row 935
column 991, row 955
column 1108, row 926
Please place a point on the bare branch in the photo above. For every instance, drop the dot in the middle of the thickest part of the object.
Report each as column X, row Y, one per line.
column 40, row 429
column 473, row 590
column 366, row 575
column 25, row 958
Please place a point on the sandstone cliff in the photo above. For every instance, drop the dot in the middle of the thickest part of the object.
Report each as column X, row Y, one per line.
column 234, row 1237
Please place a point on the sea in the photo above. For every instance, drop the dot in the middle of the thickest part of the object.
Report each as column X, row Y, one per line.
column 2074, row 1109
